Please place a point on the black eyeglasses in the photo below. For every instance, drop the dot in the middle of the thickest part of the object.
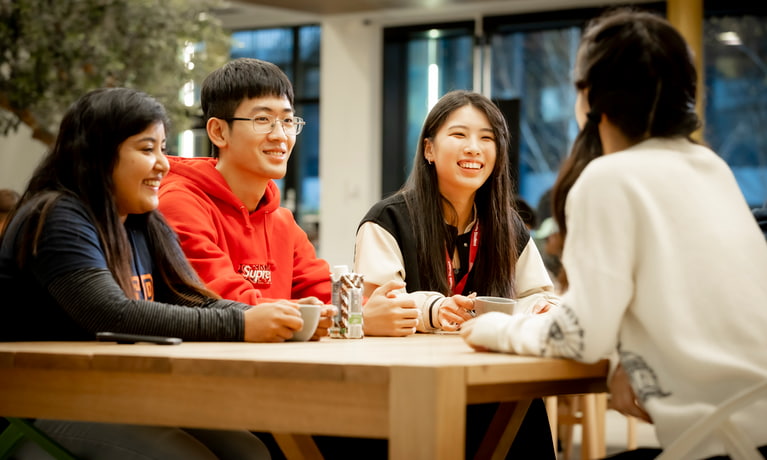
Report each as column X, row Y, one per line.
column 264, row 124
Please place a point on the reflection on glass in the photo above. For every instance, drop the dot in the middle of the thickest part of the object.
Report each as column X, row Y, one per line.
column 534, row 67
column 736, row 98
column 296, row 50
column 437, row 63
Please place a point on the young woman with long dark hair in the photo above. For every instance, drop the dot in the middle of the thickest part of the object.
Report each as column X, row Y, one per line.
column 665, row 263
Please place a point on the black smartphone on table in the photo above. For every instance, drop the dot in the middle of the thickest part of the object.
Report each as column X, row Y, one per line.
column 133, row 338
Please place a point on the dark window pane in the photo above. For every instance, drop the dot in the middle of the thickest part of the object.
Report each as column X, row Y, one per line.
column 534, row 67
column 736, row 105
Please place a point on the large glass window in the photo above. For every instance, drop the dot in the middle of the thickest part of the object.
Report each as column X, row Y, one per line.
column 531, row 58
column 420, row 65
column 533, row 67
column 736, row 98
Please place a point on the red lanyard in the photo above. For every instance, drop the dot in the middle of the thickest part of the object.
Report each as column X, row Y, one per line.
column 472, row 255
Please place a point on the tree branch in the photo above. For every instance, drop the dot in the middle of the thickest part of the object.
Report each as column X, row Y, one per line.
column 39, row 132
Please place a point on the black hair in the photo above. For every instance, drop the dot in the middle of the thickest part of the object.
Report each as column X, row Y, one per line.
column 224, row 89
column 639, row 72
column 494, row 203
column 80, row 165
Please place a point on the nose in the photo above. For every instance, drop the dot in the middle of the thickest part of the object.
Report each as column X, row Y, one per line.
column 162, row 164
column 281, row 133
column 472, row 146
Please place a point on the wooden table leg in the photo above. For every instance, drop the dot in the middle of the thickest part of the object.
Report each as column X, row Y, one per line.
column 552, row 410
column 503, row 429
column 297, row 446
column 593, row 425
column 427, row 413
column 601, row 406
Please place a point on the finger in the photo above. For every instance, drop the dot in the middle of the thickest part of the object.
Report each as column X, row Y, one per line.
column 287, row 305
column 387, row 287
column 449, row 327
column 292, row 323
column 404, row 302
column 466, row 314
column 408, row 313
column 290, row 310
column 407, row 323
column 319, row 333
column 404, row 331
column 464, row 302
column 328, row 311
column 451, row 316
column 642, row 414
column 310, row 301
column 541, row 308
column 282, row 334
column 324, row 323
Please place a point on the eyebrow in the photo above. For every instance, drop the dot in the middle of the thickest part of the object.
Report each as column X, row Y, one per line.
column 150, row 139
column 466, row 127
column 264, row 108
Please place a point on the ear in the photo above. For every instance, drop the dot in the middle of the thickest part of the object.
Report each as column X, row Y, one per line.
column 428, row 152
column 218, row 131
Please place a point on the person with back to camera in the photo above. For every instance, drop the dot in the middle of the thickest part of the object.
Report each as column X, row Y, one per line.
column 226, row 210
column 444, row 233
column 665, row 262
column 86, row 251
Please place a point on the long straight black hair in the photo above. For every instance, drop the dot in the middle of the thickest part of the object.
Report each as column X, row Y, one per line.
column 494, row 203
column 80, row 165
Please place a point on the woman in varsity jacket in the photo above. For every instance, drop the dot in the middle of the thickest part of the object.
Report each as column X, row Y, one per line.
column 452, row 233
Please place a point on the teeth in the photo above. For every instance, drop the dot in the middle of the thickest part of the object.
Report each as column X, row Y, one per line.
column 152, row 183
column 470, row 165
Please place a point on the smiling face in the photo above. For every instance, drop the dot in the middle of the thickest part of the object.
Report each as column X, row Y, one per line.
column 463, row 152
column 141, row 165
column 256, row 156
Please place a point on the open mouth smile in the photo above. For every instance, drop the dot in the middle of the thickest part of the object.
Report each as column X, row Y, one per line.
column 470, row 165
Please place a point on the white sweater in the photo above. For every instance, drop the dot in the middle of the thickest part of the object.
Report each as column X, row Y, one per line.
column 667, row 265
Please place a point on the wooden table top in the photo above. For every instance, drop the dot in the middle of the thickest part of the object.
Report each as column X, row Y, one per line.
column 328, row 359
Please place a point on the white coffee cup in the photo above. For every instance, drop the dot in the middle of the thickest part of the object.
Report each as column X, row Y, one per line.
column 311, row 316
column 484, row 304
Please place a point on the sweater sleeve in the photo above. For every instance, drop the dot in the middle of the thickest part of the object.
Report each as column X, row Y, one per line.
column 597, row 255
column 533, row 284
column 378, row 257
column 92, row 298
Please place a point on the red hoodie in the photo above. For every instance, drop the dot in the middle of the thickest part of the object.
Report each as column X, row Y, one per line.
column 247, row 257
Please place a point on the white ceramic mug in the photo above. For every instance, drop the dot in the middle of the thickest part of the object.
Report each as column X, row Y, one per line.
column 311, row 316
column 484, row 304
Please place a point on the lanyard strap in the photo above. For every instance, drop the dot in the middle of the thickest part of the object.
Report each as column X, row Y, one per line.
column 472, row 255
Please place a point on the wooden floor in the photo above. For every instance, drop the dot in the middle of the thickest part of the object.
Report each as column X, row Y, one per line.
column 615, row 435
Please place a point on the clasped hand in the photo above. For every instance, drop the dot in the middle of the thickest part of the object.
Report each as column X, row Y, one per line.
column 455, row 310
column 277, row 321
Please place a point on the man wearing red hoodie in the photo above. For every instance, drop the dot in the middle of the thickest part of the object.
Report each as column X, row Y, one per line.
column 226, row 209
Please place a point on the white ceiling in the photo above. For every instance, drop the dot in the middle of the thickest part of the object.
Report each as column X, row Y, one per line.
column 239, row 14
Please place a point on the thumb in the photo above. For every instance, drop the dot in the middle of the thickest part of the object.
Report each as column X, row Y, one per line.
column 389, row 286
